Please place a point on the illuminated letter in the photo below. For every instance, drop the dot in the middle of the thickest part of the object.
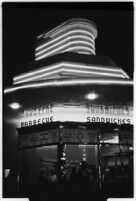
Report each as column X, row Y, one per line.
column 43, row 121
column 39, row 121
column 128, row 120
column 88, row 119
column 107, row 120
column 119, row 121
column 34, row 122
column 93, row 119
column 51, row 119
column 30, row 123
column 22, row 124
column 114, row 120
column 26, row 123
column 102, row 120
column 98, row 119
column 123, row 121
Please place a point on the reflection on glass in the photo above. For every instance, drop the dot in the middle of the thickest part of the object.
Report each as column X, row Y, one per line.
column 109, row 137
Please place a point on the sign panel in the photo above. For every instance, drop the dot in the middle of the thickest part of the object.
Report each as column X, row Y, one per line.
column 44, row 137
column 67, row 135
column 59, row 112
column 80, row 136
column 33, row 139
column 54, row 136
column 91, row 136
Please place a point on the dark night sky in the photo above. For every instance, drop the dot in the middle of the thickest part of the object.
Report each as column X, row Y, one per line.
column 22, row 23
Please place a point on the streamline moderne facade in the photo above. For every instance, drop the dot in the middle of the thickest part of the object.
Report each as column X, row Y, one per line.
column 73, row 106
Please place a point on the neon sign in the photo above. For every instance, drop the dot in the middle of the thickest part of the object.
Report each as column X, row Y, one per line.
column 61, row 112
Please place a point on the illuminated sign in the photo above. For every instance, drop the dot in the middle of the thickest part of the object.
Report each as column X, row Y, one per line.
column 78, row 36
column 56, row 135
column 60, row 112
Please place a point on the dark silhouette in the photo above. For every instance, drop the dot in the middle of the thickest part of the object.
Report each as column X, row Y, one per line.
column 79, row 187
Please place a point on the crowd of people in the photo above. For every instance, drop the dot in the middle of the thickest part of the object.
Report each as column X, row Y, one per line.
column 79, row 186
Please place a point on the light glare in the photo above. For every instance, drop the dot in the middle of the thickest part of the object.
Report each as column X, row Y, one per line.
column 15, row 106
column 92, row 96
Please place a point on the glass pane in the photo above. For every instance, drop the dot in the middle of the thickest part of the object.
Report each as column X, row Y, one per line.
column 116, row 162
column 110, row 137
column 126, row 136
column 76, row 154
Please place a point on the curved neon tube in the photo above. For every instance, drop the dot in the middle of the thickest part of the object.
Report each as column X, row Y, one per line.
column 71, row 82
column 62, row 36
column 83, row 52
column 95, row 68
column 67, row 40
column 96, row 73
column 77, row 48
column 39, row 76
column 38, row 71
column 66, row 64
column 125, row 74
column 57, row 50
column 64, row 25
column 70, row 26
column 68, row 70
column 65, row 37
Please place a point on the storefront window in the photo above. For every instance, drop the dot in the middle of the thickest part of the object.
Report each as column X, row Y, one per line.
column 110, row 137
column 116, row 162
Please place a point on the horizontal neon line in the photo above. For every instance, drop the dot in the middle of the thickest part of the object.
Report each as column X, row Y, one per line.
column 83, row 48
column 58, row 49
column 38, row 71
column 89, row 67
column 70, row 82
column 95, row 67
column 96, row 73
column 62, row 36
column 39, row 76
column 83, row 52
column 68, row 70
column 70, row 26
column 64, row 25
column 52, row 67
column 65, row 40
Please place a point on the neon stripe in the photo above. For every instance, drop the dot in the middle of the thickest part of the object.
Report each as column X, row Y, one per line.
column 62, row 36
column 68, row 70
column 38, row 71
column 125, row 74
column 56, row 51
column 77, row 48
column 65, row 40
column 39, row 76
column 65, row 64
column 70, row 26
column 71, row 82
column 94, row 67
column 88, row 72
column 89, row 67
column 70, row 23
column 83, row 52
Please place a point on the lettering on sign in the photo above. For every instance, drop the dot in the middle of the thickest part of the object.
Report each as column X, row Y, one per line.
column 36, row 111
column 96, row 113
column 109, row 110
column 108, row 120
column 37, row 121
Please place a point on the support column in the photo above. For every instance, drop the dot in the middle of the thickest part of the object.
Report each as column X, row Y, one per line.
column 99, row 158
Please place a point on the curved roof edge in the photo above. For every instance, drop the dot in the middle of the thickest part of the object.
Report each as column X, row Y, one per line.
column 83, row 20
column 71, row 82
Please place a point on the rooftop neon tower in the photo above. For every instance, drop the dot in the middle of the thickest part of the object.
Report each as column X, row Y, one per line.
column 66, row 55
column 76, row 35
